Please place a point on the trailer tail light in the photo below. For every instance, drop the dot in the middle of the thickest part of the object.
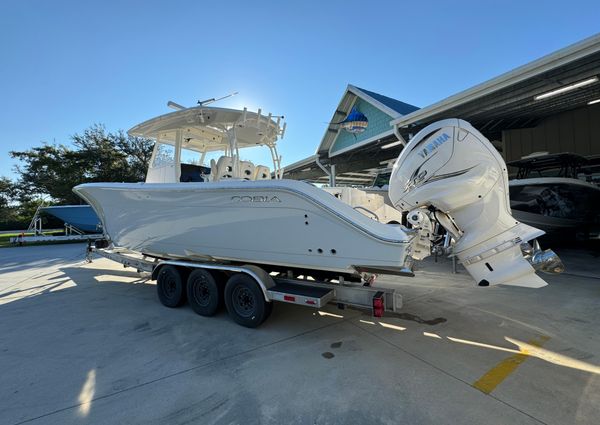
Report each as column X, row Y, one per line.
column 311, row 302
column 378, row 304
column 289, row 298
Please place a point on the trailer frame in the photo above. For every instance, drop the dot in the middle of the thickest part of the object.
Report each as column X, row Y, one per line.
column 276, row 286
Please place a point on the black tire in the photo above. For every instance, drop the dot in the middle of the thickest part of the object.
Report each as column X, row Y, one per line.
column 220, row 277
column 245, row 301
column 269, row 309
column 170, row 287
column 203, row 293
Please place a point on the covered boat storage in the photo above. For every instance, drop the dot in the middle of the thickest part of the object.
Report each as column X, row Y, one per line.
column 549, row 105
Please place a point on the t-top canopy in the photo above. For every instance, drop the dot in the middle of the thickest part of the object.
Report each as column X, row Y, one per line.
column 565, row 164
column 208, row 129
column 548, row 161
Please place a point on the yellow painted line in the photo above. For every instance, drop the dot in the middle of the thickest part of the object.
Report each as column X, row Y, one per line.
column 494, row 377
column 555, row 358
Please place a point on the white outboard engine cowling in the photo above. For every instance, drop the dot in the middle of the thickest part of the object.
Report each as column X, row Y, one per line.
column 452, row 171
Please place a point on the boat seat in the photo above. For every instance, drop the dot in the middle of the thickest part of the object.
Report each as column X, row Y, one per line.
column 213, row 171
column 224, row 168
column 262, row 172
column 246, row 170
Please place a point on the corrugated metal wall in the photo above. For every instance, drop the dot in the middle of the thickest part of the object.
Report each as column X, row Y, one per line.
column 576, row 131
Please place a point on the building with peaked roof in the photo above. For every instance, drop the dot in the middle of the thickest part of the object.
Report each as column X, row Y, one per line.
column 346, row 151
column 551, row 104
column 379, row 109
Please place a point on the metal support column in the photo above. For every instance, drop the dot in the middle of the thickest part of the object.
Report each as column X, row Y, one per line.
column 178, row 143
column 332, row 175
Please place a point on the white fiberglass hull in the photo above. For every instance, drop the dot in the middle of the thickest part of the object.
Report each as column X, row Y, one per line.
column 278, row 222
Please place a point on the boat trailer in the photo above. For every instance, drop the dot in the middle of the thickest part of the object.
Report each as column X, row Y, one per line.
column 249, row 290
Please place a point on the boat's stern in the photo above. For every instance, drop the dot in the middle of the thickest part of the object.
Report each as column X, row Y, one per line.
column 450, row 175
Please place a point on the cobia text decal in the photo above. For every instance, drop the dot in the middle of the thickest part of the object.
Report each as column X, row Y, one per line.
column 256, row 198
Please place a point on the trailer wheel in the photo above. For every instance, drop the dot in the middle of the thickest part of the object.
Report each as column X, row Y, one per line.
column 269, row 310
column 245, row 301
column 170, row 287
column 203, row 293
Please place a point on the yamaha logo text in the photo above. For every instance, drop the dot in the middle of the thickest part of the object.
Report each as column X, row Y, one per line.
column 431, row 146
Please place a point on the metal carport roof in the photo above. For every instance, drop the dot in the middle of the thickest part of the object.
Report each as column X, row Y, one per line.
column 508, row 101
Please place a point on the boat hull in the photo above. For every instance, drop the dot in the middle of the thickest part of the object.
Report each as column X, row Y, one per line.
column 278, row 222
column 82, row 217
column 555, row 204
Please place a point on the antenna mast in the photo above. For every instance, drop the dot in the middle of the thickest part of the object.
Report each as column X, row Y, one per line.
column 212, row 100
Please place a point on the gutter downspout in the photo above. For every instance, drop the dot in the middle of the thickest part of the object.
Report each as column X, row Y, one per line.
column 398, row 135
column 330, row 173
column 322, row 167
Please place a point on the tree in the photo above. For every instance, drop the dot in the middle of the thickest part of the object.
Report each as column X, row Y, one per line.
column 11, row 212
column 7, row 192
column 138, row 151
column 97, row 156
column 49, row 169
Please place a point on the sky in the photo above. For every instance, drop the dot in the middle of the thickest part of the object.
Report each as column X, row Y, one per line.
column 65, row 65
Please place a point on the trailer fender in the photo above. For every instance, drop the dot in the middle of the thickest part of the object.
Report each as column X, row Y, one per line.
column 262, row 278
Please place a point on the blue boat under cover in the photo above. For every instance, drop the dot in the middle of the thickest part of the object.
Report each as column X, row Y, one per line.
column 82, row 217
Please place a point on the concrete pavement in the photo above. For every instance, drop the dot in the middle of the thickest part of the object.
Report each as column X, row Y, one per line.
column 90, row 343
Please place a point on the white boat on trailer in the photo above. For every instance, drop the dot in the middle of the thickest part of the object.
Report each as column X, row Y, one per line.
column 239, row 233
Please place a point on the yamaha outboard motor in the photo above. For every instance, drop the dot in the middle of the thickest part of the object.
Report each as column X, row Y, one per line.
column 451, row 174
